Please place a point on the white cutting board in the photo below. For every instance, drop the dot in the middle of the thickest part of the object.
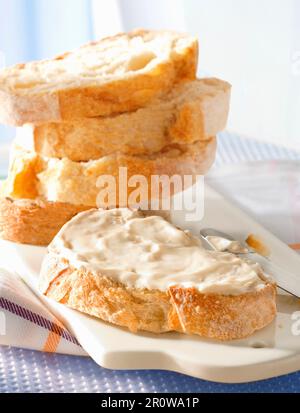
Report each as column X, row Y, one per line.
column 270, row 352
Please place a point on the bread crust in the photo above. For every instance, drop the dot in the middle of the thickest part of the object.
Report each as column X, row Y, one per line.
column 192, row 111
column 40, row 102
column 34, row 222
column 32, row 176
column 186, row 310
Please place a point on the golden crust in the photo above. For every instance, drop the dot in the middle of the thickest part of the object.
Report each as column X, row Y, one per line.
column 185, row 310
column 34, row 222
column 32, row 176
column 192, row 111
column 37, row 102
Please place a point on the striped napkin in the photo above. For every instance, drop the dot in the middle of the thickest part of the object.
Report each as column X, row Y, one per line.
column 25, row 322
column 270, row 191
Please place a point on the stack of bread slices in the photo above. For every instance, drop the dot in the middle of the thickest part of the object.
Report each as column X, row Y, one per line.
column 132, row 100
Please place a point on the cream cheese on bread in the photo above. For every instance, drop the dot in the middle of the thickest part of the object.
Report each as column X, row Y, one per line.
column 149, row 252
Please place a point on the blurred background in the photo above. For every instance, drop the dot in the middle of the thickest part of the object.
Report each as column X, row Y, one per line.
column 254, row 44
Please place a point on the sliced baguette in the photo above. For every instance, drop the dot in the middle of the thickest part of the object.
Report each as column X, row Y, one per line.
column 192, row 111
column 61, row 180
column 113, row 75
column 86, row 288
column 34, row 222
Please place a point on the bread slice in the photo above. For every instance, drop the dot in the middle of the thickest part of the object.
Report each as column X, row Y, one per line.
column 34, row 222
column 61, row 180
column 113, row 75
column 118, row 280
column 192, row 111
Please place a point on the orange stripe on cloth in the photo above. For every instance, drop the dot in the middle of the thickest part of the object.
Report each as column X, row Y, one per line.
column 54, row 337
column 295, row 246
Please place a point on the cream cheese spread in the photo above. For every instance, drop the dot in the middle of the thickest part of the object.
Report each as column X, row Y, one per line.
column 149, row 252
column 223, row 244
